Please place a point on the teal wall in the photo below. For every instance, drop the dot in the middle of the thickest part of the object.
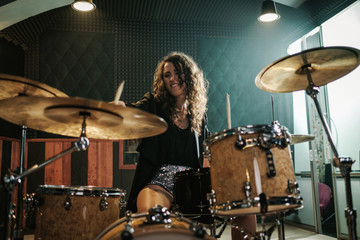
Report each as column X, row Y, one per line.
column 231, row 66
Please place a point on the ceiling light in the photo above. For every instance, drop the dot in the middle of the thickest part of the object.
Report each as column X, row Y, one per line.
column 268, row 12
column 83, row 5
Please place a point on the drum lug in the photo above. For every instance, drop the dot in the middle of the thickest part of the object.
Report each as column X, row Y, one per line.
column 247, row 190
column 158, row 214
column 294, row 188
column 212, row 200
column 67, row 204
column 270, row 163
column 240, row 143
column 207, row 153
column 103, row 204
column 122, row 201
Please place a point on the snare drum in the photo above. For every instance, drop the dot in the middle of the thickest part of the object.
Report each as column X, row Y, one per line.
column 190, row 194
column 158, row 226
column 81, row 212
column 247, row 161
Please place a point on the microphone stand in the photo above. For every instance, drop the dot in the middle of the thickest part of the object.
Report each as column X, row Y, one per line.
column 343, row 163
column 11, row 180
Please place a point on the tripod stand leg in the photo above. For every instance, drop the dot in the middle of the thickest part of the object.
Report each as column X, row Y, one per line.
column 7, row 214
column 281, row 229
column 350, row 213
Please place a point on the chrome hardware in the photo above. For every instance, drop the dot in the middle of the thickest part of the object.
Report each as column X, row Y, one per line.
column 67, row 204
column 206, row 152
column 103, row 204
column 211, row 197
column 247, row 190
column 270, row 164
column 294, row 188
column 158, row 214
column 198, row 230
column 122, row 201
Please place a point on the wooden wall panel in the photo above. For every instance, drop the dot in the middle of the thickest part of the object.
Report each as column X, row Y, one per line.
column 15, row 163
column 100, row 163
column 59, row 171
column 100, row 159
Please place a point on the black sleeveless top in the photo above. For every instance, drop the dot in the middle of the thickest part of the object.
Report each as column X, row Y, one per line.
column 178, row 147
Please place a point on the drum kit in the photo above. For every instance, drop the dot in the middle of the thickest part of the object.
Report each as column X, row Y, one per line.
column 260, row 179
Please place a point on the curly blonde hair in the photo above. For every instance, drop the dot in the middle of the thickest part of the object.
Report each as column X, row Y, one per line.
column 196, row 88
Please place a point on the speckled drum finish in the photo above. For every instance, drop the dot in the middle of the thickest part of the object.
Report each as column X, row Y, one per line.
column 178, row 229
column 228, row 174
column 84, row 219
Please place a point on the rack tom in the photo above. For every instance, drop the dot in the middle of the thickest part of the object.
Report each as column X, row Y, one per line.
column 251, row 171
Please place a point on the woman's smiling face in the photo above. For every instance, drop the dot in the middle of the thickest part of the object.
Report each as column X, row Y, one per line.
column 172, row 80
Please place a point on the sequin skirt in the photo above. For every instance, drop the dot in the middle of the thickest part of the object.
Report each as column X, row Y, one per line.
column 165, row 175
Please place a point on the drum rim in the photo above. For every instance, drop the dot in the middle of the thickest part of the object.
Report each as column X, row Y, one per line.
column 238, row 130
column 272, row 201
column 132, row 217
column 195, row 171
column 78, row 190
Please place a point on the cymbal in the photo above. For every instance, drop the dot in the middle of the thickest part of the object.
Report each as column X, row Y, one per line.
column 64, row 116
column 12, row 86
column 301, row 138
column 325, row 65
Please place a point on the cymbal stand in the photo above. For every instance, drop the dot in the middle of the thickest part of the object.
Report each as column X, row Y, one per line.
column 11, row 180
column 18, row 234
column 343, row 163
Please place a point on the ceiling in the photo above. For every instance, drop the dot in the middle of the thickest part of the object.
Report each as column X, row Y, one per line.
column 230, row 12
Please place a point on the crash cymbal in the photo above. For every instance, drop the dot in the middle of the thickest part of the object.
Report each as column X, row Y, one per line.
column 301, row 138
column 12, row 86
column 325, row 65
column 64, row 116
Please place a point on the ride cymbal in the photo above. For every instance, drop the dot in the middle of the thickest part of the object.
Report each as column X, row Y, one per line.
column 301, row 138
column 13, row 86
column 324, row 64
column 64, row 116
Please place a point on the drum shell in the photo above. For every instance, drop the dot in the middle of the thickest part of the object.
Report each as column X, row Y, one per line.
column 85, row 219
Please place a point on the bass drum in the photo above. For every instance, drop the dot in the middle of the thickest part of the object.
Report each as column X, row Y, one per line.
column 81, row 212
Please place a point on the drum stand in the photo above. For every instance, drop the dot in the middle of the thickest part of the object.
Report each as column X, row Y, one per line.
column 343, row 163
column 265, row 234
column 10, row 181
column 17, row 233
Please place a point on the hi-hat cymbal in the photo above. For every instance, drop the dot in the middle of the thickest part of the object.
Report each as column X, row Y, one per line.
column 301, row 138
column 64, row 116
column 13, row 86
column 325, row 65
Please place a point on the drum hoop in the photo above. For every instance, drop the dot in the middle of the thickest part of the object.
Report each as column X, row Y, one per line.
column 79, row 190
column 177, row 217
column 272, row 201
column 193, row 172
column 249, row 129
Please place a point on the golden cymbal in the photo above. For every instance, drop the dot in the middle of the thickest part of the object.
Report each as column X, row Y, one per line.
column 325, row 64
column 301, row 138
column 64, row 116
column 13, row 86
